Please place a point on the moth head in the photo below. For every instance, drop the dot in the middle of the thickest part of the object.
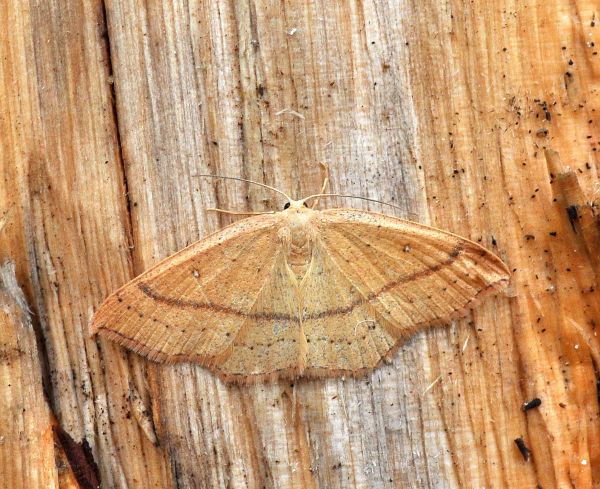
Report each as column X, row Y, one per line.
column 295, row 204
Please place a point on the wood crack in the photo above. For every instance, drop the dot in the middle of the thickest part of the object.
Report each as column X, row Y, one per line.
column 120, row 157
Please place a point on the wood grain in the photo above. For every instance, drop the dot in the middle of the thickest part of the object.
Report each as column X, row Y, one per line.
column 479, row 118
column 26, row 441
column 69, row 226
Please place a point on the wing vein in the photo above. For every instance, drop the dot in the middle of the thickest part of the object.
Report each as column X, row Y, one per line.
column 410, row 278
column 225, row 355
column 366, row 298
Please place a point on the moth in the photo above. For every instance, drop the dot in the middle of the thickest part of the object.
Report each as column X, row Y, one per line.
column 300, row 292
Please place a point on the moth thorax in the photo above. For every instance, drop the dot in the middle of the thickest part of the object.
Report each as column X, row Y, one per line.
column 298, row 242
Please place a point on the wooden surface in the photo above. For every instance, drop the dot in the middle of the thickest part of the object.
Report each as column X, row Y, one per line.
column 480, row 118
column 26, row 452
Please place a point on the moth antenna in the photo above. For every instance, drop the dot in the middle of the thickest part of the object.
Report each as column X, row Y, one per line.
column 206, row 175
column 238, row 213
column 355, row 197
column 325, row 183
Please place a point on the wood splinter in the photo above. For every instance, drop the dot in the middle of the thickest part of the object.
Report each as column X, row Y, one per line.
column 525, row 452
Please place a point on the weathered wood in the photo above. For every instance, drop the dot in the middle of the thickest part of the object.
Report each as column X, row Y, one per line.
column 26, row 441
column 68, row 228
column 480, row 118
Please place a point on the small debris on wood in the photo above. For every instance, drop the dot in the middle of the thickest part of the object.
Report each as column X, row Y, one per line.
column 291, row 112
column 544, row 106
column 573, row 216
column 532, row 404
column 523, row 448
column 142, row 415
column 541, row 133
column 568, row 79
column 430, row 386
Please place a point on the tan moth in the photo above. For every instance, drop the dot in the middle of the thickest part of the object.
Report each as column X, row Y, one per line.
column 301, row 292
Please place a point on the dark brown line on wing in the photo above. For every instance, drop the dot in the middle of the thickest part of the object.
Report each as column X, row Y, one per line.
column 374, row 295
column 182, row 303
